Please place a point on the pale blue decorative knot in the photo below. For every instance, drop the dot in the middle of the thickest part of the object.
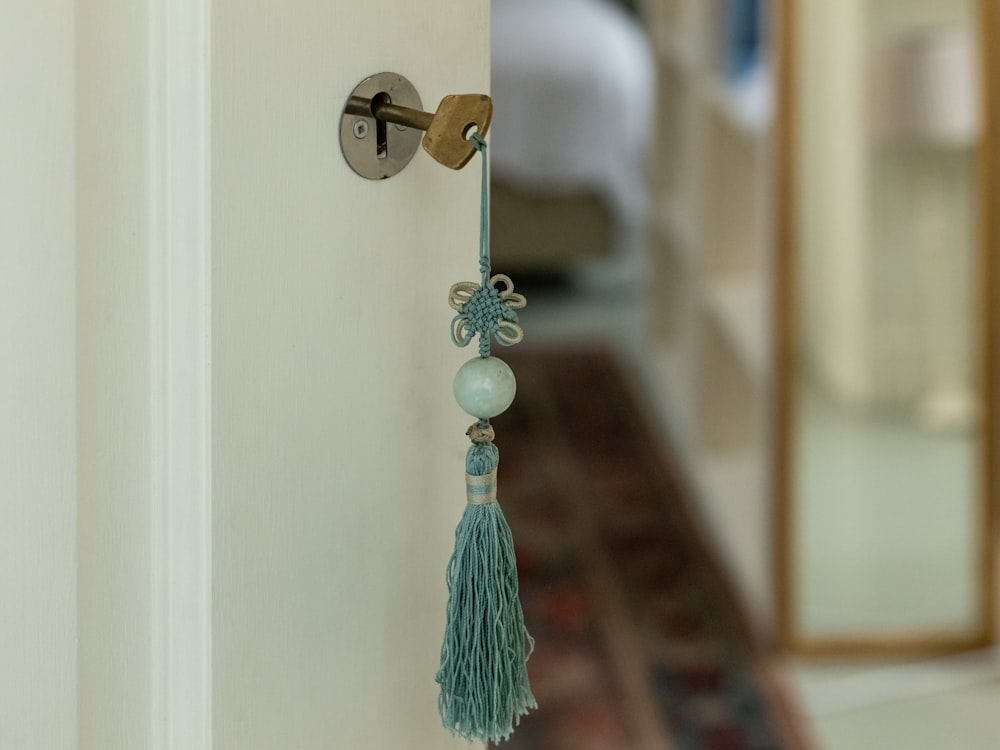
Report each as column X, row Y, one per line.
column 483, row 308
column 478, row 142
column 486, row 310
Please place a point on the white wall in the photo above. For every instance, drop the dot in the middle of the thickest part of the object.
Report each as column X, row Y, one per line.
column 830, row 54
column 872, row 262
column 37, row 378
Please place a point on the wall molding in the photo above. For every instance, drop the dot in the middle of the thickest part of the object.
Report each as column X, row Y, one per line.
column 180, row 396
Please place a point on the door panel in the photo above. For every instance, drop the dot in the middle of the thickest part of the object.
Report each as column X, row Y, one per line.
column 337, row 449
column 37, row 373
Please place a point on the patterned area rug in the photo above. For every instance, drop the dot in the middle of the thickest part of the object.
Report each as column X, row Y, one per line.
column 638, row 644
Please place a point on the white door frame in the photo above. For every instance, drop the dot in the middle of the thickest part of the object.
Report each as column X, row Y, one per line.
column 180, row 389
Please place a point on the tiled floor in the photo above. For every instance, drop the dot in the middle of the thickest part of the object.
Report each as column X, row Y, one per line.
column 946, row 703
column 966, row 719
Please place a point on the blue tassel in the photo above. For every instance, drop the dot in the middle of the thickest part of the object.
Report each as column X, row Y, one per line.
column 484, row 657
column 483, row 674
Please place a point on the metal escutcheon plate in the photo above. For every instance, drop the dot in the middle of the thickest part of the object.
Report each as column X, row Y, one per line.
column 377, row 150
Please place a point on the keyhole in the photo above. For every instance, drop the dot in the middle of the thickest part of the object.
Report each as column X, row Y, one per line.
column 381, row 127
column 364, row 138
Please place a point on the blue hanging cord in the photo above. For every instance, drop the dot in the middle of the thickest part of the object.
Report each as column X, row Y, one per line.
column 484, row 211
column 485, row 264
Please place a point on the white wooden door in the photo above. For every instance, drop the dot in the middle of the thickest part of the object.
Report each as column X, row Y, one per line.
column 337, row 447
column 233, row 466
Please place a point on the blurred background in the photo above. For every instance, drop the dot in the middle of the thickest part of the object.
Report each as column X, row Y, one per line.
column 782, row 216
column 750, row 468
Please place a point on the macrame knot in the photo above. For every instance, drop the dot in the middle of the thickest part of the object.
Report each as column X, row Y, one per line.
column 481, row 434
column 486, row 310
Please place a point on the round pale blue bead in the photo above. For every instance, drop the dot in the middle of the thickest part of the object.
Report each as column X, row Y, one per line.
column 485, row 387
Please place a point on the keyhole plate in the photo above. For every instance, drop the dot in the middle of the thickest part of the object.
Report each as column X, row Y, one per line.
column 360, row 133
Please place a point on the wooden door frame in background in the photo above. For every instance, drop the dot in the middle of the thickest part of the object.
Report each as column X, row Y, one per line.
column 788, row 633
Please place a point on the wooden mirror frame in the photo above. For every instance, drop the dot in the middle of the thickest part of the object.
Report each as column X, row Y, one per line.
column 787, row 629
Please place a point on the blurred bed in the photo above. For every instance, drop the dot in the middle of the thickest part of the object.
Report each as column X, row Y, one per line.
column 573, row 88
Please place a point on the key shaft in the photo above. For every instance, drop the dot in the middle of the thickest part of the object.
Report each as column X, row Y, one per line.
column 406, row 116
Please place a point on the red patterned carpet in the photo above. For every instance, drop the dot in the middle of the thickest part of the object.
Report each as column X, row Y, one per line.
column 638, row 644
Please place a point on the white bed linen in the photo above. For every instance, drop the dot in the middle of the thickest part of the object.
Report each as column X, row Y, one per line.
column 573, row 91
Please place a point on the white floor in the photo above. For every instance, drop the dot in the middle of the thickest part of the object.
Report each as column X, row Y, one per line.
column 951, row 703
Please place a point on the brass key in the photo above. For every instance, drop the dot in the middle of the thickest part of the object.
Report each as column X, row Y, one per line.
column 447, row 129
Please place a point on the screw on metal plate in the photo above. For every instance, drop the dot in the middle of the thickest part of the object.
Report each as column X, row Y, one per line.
column 360, row 129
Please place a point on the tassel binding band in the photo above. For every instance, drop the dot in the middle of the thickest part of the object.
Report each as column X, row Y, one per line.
column 481, row 490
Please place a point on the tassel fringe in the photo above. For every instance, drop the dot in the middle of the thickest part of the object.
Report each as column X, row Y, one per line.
column 483, row 674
